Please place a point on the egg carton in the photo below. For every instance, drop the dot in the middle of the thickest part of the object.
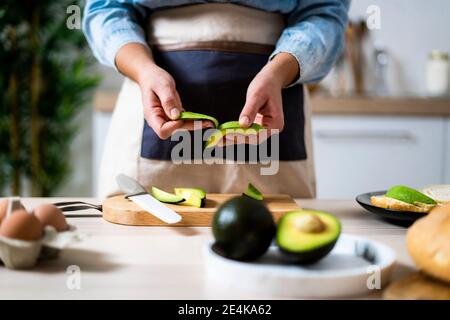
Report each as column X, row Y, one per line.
column 20, row 254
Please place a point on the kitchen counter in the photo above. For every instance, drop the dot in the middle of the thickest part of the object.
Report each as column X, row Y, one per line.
column 126, row 262
column 381, row 106
column 105, row 100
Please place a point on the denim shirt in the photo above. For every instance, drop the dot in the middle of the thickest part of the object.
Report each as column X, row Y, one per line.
column 314, row 33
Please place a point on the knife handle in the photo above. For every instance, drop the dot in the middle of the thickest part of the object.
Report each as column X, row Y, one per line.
column 77, row 205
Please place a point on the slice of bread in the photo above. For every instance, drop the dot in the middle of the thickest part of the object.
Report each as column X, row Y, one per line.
column 439, row 193
column 389, row 203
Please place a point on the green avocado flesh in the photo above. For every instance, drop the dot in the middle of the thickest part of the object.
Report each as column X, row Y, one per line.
column 187, row 115
column 243, row 229
column 306, row 236
column 195, row 197
column 231, row 127
column 254, row 193
column 236, row 125
column 193, row 201
column 186, row 192
column 214, row 139
column 166, row 197
column 409, row 195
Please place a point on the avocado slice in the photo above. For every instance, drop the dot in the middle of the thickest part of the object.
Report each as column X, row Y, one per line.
column 254, row 193
column 214, row 139
column 243, row 229
column 231, row 127
column 195, row 197
column 236, row 125
column 193, row 201
column 306, row 236
column 166, row 197
column 187, row 115
column 186, row 192
column 409, row 195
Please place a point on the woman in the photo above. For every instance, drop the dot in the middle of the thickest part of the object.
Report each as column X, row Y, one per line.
column 247, row 60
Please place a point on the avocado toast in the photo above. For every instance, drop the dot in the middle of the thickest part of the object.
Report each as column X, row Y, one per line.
column 403, row 198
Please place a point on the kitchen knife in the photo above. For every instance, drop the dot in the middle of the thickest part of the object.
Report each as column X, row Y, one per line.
column 136, row 193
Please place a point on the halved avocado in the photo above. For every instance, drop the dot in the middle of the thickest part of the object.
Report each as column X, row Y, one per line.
column 306, row 236
column 243, row 228
column 187, row 115
column 166, row 197
column 195, row 197
column 254, row 193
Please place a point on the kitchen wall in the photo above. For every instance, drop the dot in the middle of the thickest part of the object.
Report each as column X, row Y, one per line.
column 409, row 30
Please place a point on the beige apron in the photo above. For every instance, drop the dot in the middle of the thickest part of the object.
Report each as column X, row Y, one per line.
column 196, row 27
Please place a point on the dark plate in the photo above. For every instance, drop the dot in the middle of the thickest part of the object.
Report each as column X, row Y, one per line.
column 402, row 218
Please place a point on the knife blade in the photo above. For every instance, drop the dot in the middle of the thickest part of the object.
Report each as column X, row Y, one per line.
column 137, row 193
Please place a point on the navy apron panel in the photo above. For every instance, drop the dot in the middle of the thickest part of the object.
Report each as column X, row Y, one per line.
column 215, row 83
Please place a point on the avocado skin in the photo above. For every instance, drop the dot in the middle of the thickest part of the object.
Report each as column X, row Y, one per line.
column 243, row 228
column 308, row 257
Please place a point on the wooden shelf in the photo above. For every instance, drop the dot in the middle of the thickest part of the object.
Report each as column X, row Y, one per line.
column 104, row 101
column 395, row 106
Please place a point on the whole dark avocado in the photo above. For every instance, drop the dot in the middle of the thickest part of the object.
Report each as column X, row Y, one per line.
column 243, row 228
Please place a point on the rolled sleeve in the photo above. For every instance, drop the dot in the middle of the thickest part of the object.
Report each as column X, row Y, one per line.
column 314, row 36
column 109, row 25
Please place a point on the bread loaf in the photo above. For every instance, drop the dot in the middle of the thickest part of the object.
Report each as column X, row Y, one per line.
column 428, row 241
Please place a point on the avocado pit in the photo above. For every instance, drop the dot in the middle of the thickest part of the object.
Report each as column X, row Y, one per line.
column 309, row 223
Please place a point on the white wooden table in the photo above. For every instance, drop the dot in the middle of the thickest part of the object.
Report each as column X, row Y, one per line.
column 126, row 262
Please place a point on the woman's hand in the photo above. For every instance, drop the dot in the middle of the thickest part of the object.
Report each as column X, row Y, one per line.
column 264, row 104
column 160, row 99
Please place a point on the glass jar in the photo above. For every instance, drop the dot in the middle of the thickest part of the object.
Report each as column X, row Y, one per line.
column 437, row 73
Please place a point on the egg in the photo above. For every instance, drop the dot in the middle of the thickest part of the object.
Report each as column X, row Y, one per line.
column 4, row 208
column 21, row 225
column 50, row 215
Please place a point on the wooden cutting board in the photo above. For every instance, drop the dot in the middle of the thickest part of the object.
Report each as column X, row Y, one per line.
column 120, row 210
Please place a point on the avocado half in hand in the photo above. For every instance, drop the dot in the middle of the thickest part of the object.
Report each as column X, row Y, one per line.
column 243, row 228
column 306, row 236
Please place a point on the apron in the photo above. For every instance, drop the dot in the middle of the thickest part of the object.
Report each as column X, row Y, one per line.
column 213, row 51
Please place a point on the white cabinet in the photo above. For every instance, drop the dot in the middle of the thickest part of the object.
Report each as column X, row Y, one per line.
column 447, row 152
column 356, row 154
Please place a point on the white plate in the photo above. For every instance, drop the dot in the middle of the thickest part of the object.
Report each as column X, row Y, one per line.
column 351, row 265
